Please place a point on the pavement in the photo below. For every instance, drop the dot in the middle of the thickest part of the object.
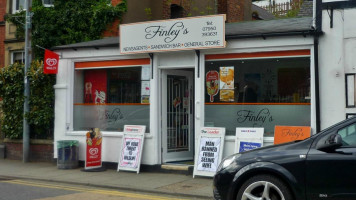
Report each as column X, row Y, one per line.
column 180, row 185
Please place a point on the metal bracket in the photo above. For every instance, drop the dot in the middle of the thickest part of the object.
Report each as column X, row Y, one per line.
column 197, row 52
column 151, row 56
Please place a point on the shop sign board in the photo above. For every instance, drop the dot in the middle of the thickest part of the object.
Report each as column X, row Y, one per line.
column 131, row 148
column 173, row 35
column 210, row 147
column 283, row 134
column 248, row 138
column 93, row 149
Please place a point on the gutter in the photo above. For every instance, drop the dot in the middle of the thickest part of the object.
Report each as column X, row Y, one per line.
column 273, row 34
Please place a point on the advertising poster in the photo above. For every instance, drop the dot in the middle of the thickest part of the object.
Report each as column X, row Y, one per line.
column 95, row 86
column 212, row 84
column 209, row 154
column 130, row 152
column 145, row 88
column 248, row 138
column 131, row 149
column 227, row 78
column 93, row 149
column 227, row 95
column 283, row 134
column 208, row 151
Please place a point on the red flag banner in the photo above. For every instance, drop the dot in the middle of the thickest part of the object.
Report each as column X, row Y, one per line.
column 51, row 60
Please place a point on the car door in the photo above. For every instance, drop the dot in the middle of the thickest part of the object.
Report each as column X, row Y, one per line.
column 332, row 174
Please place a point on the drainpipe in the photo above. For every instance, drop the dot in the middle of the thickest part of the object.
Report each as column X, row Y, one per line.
column 318, row 27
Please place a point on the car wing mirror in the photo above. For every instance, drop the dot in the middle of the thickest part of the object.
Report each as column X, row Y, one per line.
column 330, row 144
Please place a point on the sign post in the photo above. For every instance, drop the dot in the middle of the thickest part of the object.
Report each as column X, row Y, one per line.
column 209, row 152
column 248, row 138
column 131, row 148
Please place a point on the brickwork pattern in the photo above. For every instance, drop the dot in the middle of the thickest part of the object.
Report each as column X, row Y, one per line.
column 38, row 152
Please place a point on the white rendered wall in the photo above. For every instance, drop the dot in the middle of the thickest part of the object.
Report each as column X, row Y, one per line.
column 336, row 57
column 170, row 60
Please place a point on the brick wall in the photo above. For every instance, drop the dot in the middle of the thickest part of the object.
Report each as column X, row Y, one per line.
column 38, row 152
column 237, row 10
column 113, row 29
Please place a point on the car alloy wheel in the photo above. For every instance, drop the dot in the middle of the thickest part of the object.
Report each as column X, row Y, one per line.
column 264, row 187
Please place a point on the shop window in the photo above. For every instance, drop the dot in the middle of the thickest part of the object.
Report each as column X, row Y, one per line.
column 111, row 98
column 18, row 5
column 17, row 57
column 257, row 92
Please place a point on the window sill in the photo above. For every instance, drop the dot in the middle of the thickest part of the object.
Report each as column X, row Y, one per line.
column 105, row 134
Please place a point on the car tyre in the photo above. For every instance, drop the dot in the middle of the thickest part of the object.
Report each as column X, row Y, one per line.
column 264, row 187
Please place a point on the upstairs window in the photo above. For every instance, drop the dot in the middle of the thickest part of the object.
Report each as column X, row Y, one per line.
column 17, row 57
column 176, row 11
column 47, row 3
column 18, row 5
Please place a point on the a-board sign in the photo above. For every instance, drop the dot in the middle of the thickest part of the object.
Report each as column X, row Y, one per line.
column 131, row 148
column 93, row 149
column 248, row 138
column 209, row 151
column 284, row 134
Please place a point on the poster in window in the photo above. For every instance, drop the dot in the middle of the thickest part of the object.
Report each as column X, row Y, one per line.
column 227, row 77
column 212, row 84
column 145, row 88
column 95, row 86
column 145, row 73
column 145, row 99
column 227, row 95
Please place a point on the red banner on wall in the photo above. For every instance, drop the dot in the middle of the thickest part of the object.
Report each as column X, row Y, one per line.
column 93, row 151
column 51, row 60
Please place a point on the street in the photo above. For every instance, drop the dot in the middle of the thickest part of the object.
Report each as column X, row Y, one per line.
column 17, row 189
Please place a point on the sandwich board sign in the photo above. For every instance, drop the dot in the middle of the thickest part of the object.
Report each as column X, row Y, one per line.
column 248, row 138
column 131, row 148
column 93, row 149
column 209, row 151
column 283, row 134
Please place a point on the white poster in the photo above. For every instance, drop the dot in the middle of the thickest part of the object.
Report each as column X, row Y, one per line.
column 131, row 148
column 145, row 73
column 208, row 151
column 208, row 159
column 248, row 138
column 130, row 152
column 145, row 88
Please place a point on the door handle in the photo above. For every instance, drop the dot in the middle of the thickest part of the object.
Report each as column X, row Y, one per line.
column 196, row 113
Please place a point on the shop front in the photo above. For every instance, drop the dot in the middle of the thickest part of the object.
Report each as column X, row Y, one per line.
column 249, row 82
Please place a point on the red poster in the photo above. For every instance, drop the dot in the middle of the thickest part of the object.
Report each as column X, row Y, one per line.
column 51, row 60
column 212, row 84
column 95, row 86
column 93, row 151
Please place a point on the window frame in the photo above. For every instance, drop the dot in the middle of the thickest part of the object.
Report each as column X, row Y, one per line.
column 12, row 61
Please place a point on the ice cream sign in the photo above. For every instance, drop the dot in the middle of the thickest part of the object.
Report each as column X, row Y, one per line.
column 173, row 35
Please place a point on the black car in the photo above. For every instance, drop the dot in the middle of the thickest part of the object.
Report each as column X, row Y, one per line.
column 320, row 167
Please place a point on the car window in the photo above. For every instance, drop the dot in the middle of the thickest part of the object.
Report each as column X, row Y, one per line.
column 348, row 135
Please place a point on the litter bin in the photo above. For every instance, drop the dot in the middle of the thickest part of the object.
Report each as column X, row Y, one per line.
column 68, row 153
column 2, row 151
